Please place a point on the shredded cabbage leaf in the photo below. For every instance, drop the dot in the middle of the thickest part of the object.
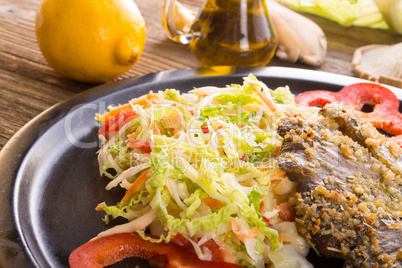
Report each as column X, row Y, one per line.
column 363, row 13
column 200, row 162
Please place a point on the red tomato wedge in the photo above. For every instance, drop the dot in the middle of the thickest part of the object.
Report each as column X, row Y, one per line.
column 114, row 248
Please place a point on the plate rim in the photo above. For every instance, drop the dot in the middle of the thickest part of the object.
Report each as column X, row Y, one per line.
column 18, row 146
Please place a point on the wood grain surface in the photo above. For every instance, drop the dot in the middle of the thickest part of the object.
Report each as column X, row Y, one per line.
column 29, row 86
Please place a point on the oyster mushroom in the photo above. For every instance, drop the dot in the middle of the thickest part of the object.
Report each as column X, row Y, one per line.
column 299, row 38
column 379, row 63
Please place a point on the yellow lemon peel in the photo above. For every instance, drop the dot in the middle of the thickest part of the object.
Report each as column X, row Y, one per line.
column 90, row 40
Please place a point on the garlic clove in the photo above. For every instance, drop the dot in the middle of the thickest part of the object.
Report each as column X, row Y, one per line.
column 299, row 38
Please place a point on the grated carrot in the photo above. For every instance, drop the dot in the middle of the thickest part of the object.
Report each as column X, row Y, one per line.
column 264, row 98
column 155, row 129
column 249, row 233
column 144, row 100
column 280, row 239
column 136, row 185
column 212, row 203
column 276, row 174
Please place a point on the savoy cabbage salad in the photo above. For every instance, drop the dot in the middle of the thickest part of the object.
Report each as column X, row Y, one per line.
column 200, row 171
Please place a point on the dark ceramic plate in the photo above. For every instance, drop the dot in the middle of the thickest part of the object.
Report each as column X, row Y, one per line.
column 50, row 182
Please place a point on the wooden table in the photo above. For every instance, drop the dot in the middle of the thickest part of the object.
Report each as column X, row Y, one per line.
column 29, row 86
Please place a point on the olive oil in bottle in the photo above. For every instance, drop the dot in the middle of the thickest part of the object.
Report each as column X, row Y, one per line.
column 233, row 32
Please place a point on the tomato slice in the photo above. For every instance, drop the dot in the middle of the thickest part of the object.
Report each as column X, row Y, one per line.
column 142, row 145
column 356, row 95
column 244, row 158
column 397, row 139
column 118, row 120
column 190, row 109
column 114, row 248
column 286, row 212
column 315, row 98
column 385, row 114
column 205, row 129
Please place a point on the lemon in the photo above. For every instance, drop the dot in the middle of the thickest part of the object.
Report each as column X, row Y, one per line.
column 90, row 40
